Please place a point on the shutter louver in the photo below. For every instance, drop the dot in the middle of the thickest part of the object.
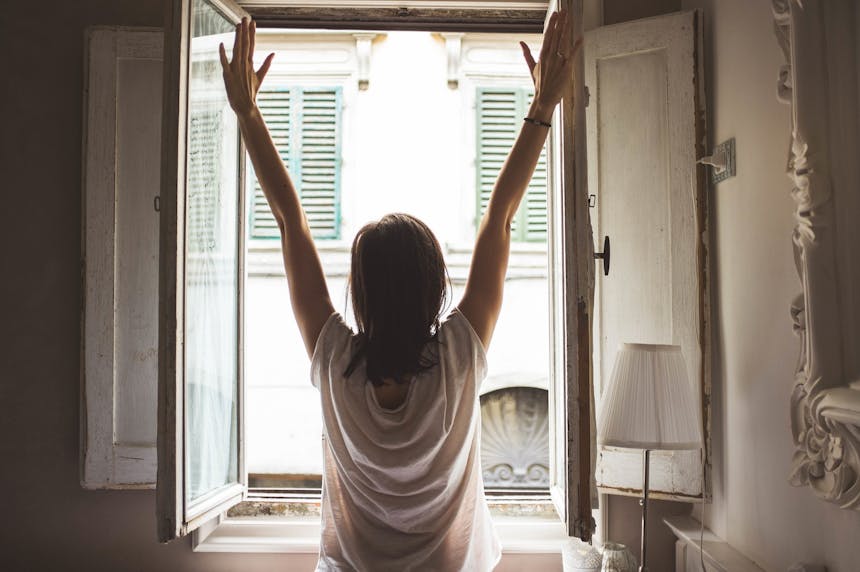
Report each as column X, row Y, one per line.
column 535, row 199
column 497, row 130
column 500, row 113
column 320, row 160
column 276, row 109
column 305, row 127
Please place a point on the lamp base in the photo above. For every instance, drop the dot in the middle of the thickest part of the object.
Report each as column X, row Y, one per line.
column 646, row 459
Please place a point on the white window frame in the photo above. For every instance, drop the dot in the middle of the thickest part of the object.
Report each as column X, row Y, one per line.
column 301, row 535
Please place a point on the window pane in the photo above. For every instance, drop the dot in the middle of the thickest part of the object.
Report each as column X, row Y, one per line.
column 212, row 264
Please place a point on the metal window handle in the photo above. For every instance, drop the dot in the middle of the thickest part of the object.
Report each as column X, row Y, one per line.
column 604, row 255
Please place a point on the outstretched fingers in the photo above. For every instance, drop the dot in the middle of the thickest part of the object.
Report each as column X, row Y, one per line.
column 530, row 61
column 252, row 33
column 236, row 43
column 547, row 36
column 225, row 65
column 242, row 43
column 556, row 44
column 264, row 68
column 564, row 46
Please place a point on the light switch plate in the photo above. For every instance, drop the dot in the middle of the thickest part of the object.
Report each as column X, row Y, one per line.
column 728, row 148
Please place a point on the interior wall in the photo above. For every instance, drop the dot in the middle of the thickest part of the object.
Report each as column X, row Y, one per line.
column 755, row 351
column 625, row 526
column 49, row 521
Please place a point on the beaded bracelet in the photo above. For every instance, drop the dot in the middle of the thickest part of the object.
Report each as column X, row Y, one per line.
column 536, row 122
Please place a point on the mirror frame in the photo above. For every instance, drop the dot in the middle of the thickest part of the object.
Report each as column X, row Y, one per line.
column 819, row 81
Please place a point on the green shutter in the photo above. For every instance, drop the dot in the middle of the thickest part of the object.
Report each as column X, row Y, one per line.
column 535, row 213
column 319, row 170
column 305, row 126
column 497, row 129
column 276, row 107
column 500, row 113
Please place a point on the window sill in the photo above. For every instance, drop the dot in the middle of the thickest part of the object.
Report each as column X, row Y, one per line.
column 301, row 535
column 718, row 555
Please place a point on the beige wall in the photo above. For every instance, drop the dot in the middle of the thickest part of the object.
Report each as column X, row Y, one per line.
column 754, row 507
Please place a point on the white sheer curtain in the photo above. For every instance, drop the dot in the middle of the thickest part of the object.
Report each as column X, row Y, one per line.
column 211, row 290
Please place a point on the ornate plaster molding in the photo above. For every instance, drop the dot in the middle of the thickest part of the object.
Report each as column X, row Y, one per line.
column 825, row 404
column 515, row 438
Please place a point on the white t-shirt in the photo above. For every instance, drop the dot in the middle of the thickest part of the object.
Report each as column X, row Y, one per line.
column 402, row 488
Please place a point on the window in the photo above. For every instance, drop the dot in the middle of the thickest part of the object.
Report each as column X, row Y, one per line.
column 202, row 405
column 305, row 123
column 500, row 113
column 283, row 418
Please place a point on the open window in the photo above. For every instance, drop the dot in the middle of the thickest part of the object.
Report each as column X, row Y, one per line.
column 200, row 462
column 201, row 469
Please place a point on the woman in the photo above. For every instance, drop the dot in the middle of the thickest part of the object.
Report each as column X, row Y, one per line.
column 402, row 486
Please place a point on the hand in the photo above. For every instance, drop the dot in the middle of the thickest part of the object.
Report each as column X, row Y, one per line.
column 552, row 73
column 240, row 79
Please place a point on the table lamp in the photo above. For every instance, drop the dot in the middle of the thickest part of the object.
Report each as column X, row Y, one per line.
column 649, row 405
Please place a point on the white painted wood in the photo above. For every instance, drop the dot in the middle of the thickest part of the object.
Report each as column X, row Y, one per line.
column 820, row 82
column 719, row 556
column 571, row 403
column 411, row 4
column 642, row 143
column 120, row 234
column 518, row 535
column 174, row 516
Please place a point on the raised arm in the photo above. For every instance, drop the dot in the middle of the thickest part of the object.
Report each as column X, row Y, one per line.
column 482, row 300
column 308, row 290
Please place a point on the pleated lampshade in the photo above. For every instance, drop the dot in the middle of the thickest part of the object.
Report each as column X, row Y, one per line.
column 649, row 402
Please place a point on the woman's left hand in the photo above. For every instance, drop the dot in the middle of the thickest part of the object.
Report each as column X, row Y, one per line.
column 552, row 73
column 240, row 79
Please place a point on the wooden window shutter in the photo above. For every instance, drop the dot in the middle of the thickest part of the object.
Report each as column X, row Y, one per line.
column 500, row 113
column 305, row 127
column 319, row 169
column 535, row 211
column 275, row 105
column 496, row 132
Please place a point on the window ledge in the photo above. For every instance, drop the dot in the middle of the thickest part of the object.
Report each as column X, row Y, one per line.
column 717, row 552
column 301, row 535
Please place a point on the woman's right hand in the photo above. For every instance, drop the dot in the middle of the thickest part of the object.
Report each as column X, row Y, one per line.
column 551, row 73
column 240, row 79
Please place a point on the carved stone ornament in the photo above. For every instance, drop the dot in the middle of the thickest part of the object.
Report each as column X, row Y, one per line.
column 819, row 82
column 515, row 438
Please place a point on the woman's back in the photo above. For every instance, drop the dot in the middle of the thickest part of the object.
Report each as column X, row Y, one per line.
column 402, row 488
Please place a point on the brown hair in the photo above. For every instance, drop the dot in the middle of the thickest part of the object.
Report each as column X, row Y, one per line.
column 399, row 285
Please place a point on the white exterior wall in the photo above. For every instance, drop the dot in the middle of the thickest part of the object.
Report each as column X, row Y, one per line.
column 409, row 146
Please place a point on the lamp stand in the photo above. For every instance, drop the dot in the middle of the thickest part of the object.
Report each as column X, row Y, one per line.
column 646, row 458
